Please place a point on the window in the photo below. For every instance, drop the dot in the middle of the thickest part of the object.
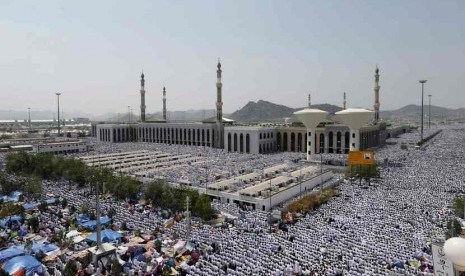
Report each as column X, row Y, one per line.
column 353, row 135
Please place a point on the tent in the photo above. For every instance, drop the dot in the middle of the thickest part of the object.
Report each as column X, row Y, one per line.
column 92, row 224
column 30, row 206
column 14, row 197
column 4, row 222
column 46, row 248
column 28, row 263
column 50, row 201
column 108, row 235
column 9, row 253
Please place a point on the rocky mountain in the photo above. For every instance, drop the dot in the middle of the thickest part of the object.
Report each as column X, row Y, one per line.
column 264, row 111
column 412, row 110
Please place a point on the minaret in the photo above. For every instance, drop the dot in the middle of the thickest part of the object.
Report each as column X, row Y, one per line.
column 219, row 108
column 142, row 98
column 309, row 100
column 344, row 102
column 376, row 105
column 164, row 103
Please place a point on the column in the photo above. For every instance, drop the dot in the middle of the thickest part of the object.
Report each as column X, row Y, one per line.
column 310, row 144
column 354, row 139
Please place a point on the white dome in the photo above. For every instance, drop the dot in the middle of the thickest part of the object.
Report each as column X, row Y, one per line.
column 311, row 117
column 454, row 248
column 355, row 118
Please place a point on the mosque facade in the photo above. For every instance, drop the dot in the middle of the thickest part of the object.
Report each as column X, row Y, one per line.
column 330, row 137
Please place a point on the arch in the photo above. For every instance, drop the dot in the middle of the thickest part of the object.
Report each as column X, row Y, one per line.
column 260, row 136
column 293, row 142
column 229, row 142
column 235, row 142
column 299, row 142
column 185, row 136
column 203, row 137
column 198, row 137
column 208, row 137
column 247, row 143
column 285, row 141
column 338, row 142
column 346, row 141
column 278, row 138
column 114, row 135
column 241, row 142
column 330, row 142
column 322, row 142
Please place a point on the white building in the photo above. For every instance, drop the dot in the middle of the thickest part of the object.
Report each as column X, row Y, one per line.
column 63, row 147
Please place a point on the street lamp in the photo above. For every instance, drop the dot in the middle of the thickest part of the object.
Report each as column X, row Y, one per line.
column 429, row 112
column 58, row 97
column 422, row 89
column 29, row 114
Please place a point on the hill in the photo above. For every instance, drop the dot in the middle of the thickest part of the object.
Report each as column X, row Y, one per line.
column 264, row 111
column 412, row 110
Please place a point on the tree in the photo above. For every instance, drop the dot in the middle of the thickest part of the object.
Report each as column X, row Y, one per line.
column 9, row 186
column 116, row 268
column 3, row 272
column 154, row 192
column 33, row 187
column 454, row 228
column 33, row 222
column 459, row 206
column 11, row 209
column 203, row 208
column 42, row 206
column 64, row 203
column 70, row 268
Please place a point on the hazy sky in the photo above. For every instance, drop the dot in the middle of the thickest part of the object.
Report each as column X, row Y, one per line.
column 93, row 52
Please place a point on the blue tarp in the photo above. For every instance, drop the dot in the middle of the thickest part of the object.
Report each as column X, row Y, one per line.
column 9, row 253
column 50, row 200
column 36, row 247
column 5, row 221
column 14, row 197
column 82, row 218
column 92, row 224
column 29, row 263
column 108, row 235
column 31, row 205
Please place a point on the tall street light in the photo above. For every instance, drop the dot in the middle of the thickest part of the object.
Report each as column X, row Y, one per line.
column 429, row 112
column 58, row 96
column 29, row 114
column 422, row 89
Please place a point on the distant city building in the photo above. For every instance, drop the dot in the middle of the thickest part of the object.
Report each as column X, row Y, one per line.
column 61, row 147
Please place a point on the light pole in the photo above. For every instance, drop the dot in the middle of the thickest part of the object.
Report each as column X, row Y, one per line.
column 58, row 97
column 29, row 114
column 429, row 111
column 422, row 89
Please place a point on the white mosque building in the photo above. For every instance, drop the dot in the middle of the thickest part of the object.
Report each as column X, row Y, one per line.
column 330, row 136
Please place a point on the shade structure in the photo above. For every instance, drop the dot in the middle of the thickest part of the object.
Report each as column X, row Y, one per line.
column 92, row 224
column 10, row 253
column 311, row 117
column 108, row 235
column 355, row 118
column 28, row 263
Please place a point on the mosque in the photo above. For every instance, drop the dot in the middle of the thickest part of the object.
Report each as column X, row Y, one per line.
column 330, row 135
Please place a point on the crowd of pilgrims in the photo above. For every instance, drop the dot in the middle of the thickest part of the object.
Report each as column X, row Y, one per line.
column 379, row 227
column 214, row 162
